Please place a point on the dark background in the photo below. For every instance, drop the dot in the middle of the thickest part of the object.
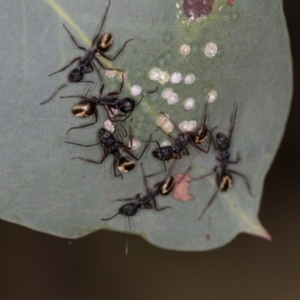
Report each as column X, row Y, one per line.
column 38, row 266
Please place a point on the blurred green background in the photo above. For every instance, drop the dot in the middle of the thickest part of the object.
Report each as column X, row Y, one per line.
column 38, row 266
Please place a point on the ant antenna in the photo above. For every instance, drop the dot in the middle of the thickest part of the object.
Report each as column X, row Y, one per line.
column 233, row 117
column 111, row 217
column 150, row 92
column 127, row 239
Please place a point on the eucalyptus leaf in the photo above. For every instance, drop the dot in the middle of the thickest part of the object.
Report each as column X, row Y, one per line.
column 248, row 65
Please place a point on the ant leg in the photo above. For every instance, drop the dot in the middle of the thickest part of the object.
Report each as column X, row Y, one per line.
column 237, row 159
column 208, row 204
column 47, row 100
column 144, row 177
column 112, row 59
column 91, row 161
column 245, row 178
column 98, row 72
column 65, row 67
column 159, row 208
column 203, row 176
column 115, row 167
column 86, row 125
column 103, row 67
column 73, row 39
column 103, row 21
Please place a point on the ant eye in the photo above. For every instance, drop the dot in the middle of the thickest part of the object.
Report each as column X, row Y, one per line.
column 105, row 42
column 125, row 165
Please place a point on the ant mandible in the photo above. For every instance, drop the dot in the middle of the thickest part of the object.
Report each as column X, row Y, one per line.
column 86, row 64
column 111, row 146
column 223, row 174
column 87, row 107
column 194, row 138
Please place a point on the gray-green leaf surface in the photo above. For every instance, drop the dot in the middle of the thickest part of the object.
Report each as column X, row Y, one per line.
column 43, row 189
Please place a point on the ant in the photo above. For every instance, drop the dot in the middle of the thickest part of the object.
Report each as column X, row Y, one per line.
column 111, row 146
column 223, row 175
column 86, row 63
column 142, row 201
column 87, row 107
column 194, row 138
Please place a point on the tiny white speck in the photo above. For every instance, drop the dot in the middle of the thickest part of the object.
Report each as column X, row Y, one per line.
column 187, row 126
column 185, row 49
column 176, row 77
column 164, row 77
column 189, row 79
column 211, row 49
column 110, row 73
column 189, row 103
column 165, row 124
column 165, row 143
column 109, row 125
column 136, row 90
column 135, row 144
column 177, row 5
column 192, row 125
column 166, row 93
column 113, row 112
column 172, row 99
column 154, row 74
column 183, row 126
column 212, row 96
column 220, row 7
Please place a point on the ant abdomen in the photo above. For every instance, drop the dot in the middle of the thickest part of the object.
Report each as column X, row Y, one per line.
column 166, row 186
column 224, row 182
column 105, row 42
column 83, row 109
column 125, row 164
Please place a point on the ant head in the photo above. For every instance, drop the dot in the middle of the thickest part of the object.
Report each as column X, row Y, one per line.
column 125, row 164
column 76, row 76
column 127, row 106
column 104, row 134
column 83, row 109
column 225, row 182
column 129, row 209
column 165, row 187
column 163, row 153
column 105, row 42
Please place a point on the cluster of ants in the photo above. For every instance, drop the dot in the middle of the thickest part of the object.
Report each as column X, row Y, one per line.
column 115, row 145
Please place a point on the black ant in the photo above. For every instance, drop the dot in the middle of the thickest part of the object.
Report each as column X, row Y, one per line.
column 86, row 63
column 87, row 107
column 194, row 138
column 223, row 175
column 142, row 201
column 111, row 146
